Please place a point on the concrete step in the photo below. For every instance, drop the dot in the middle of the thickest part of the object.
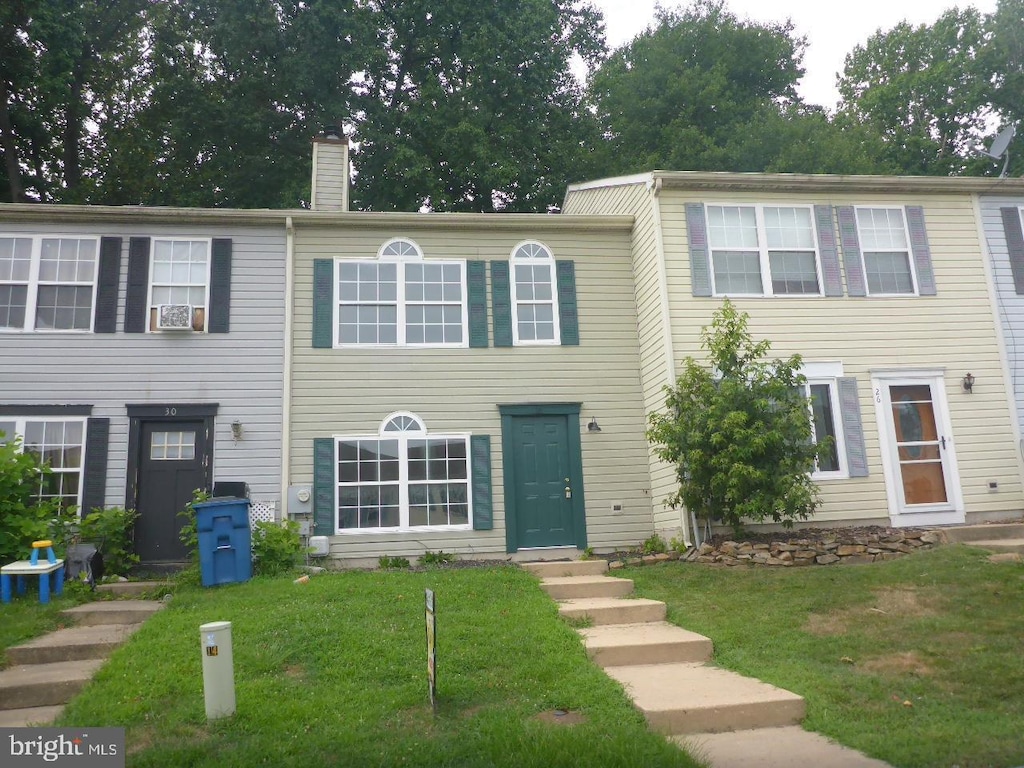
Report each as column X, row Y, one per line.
column 612, row 610
column 131, row 588
column 785, row 747
column 82, row 642
column 573, row 587
column 971, row 534
column 698, row 698
column 113, row 612
column 555, row 568
column 999, row 545
column 19, row 718
column 658, row 642
column 43, row 685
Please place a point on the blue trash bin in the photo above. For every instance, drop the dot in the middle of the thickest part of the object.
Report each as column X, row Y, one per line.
column 225, row 542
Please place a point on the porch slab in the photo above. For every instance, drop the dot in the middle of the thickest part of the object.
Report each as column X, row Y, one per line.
column 556, row 568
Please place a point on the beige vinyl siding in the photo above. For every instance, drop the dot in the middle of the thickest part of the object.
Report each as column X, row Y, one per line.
column 953, row 331
column 638, row 200
column 350, row 391
column 330, row 168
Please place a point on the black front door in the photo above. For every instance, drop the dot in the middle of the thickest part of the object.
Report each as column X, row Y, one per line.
column 173, row 460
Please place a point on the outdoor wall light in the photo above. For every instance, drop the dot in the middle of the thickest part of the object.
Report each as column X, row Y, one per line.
column 968, row 384
column 592, row 426
column 236, row 430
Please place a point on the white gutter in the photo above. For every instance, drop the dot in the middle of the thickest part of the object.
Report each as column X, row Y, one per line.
column 286, row 380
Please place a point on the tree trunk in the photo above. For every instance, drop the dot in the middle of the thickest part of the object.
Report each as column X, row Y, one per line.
column 10, row 149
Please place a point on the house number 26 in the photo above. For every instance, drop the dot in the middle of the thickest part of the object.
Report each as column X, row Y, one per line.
column 170, row 411
column 878, row 395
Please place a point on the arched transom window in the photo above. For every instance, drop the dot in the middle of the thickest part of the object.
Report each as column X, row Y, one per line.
column 534, row 308
column 401, row 299
column 403, row 478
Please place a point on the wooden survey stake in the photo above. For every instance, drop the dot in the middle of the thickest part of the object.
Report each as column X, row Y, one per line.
column 431, row 650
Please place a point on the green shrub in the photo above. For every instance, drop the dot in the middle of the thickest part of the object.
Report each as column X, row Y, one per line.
column 110, row 530
column 276, row 548
column 438, row 558
column 189, row 533
column 655, row 545
column 23, row 517
column 392, row 562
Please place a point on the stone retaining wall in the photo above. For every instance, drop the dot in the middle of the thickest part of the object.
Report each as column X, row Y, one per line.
column 806, row 547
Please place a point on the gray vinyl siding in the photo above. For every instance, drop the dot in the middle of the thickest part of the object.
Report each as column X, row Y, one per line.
column 240, row 370
column 350, row 391
column 1009, row 304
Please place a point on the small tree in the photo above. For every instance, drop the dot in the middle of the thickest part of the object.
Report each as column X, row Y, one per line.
column 739, row 431
column 23, row 517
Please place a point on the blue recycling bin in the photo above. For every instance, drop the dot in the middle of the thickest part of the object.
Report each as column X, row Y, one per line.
column 225, row 542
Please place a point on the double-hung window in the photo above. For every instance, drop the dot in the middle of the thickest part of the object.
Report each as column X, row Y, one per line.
column 822, row 391
column 885, row 244
column 400, row 299
column 60, row 443
column 47, row 283
column 535, row 312
column 402, row 478
column 179, row 283
column 763, row 250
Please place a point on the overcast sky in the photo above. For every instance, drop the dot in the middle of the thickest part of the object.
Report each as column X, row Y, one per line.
column 832, row 29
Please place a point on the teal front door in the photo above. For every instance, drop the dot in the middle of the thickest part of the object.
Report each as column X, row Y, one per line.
column 543, row 482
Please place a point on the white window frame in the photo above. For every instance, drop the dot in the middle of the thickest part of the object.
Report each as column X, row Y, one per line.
column 20, row 423
column 420, row 432
column 763, row 251
column 549, row 261
column 915, row 288
column 828, row 373
column 410, row 253
column 34, row 283
column 150, row 322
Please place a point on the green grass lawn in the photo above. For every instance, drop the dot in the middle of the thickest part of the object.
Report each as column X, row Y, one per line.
column 918, row 662
column 333, row 673
column 24, row 617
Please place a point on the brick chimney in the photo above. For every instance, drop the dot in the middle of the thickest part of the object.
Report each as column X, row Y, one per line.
column 330, row 170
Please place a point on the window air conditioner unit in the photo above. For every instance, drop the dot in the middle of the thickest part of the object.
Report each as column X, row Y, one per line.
column 174, row 317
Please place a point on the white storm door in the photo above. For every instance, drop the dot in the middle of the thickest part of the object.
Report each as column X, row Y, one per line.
column 921, row 471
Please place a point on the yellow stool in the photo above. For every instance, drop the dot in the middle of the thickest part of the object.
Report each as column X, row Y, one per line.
column 44, row 544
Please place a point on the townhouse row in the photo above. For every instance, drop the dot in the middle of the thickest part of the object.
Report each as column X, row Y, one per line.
column 480, row 383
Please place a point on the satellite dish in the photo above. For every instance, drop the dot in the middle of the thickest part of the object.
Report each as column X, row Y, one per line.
column 1000, row 148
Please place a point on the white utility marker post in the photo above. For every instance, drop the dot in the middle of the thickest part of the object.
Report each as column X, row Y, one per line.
column 218, row 669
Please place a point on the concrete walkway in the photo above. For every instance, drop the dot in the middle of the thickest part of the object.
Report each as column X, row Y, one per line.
column 728, row 720
column 48, row 671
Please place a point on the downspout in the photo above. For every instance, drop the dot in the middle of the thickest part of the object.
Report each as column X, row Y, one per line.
column 286, row 381
column 685, row 526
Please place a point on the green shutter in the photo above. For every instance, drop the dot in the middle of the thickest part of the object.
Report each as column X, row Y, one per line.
column 476, row 288
column 501, row 295
column 323, row 304
column 480, row 456
column 324, row 515
column 568, row 319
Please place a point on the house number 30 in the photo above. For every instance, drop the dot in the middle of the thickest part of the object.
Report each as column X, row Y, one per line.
column 170, row 411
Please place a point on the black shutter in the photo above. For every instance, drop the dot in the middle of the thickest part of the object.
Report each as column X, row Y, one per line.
column 501, row 294
column 218, row 314
column 108, row 276
column 323, row 304
column 324, row 514
column 476, row 288
column 94, row 473
column 480, row 456
column 136, row 309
